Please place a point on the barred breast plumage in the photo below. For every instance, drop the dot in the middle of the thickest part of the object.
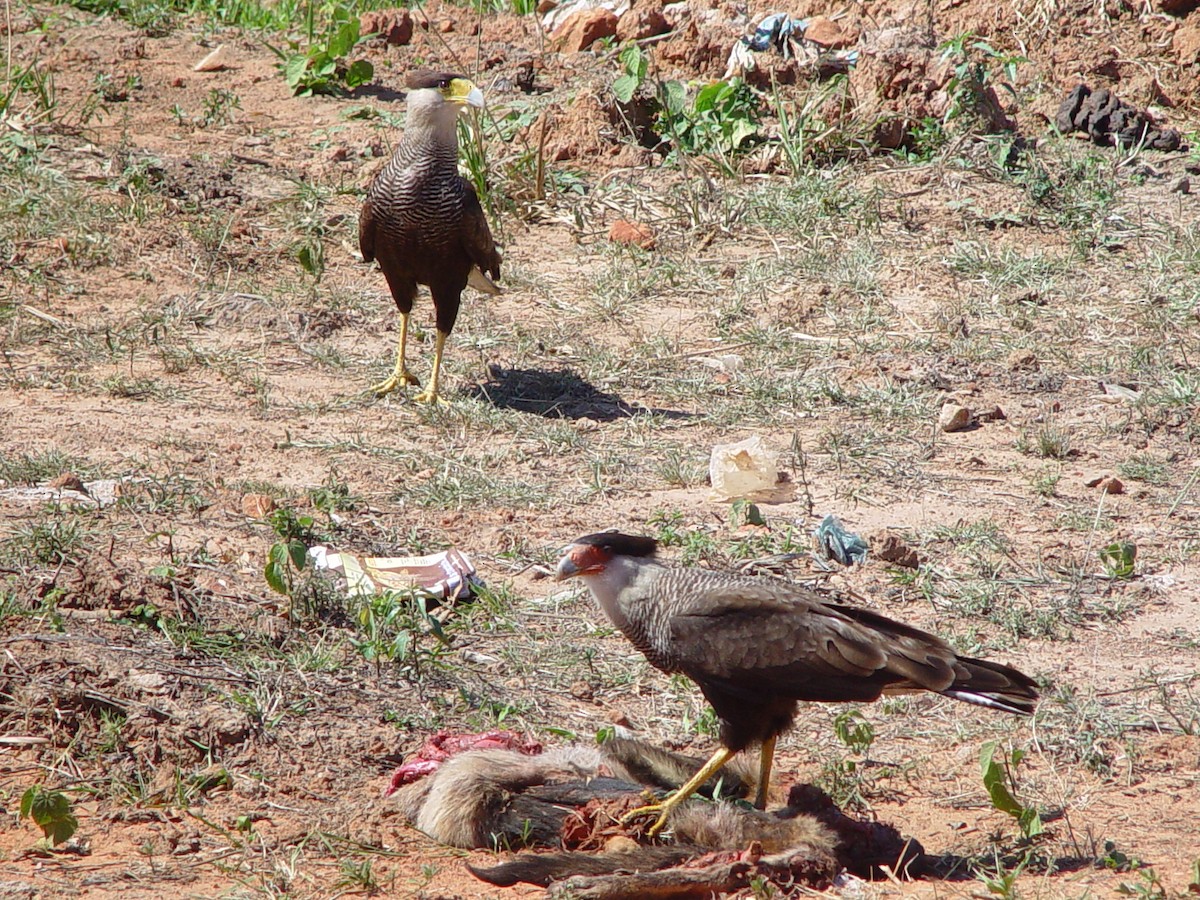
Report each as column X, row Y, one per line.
column 422, row 221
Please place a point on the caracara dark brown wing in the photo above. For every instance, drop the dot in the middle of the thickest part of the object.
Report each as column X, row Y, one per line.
column 476, row 236
column 753, row 641
column 773, row 638
column 366, row 231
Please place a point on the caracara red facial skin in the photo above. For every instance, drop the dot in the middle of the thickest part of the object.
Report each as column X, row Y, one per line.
column 756, row 647
column 582, row 559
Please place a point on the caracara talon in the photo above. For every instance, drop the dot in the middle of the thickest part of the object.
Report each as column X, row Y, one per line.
column 432, row 397
column 394, row 382
column 663, row 810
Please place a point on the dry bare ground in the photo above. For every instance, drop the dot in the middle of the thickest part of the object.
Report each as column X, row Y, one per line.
column 184, row 313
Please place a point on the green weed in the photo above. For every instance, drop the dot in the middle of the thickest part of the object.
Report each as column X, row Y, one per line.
column 51, row 812
column 393, row 628
column 999, row 778
column 288, row 557
column 978, row 68
column 321, row 67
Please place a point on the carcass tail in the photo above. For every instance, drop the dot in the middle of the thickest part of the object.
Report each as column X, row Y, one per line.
column 543, row 868
column 993, row 685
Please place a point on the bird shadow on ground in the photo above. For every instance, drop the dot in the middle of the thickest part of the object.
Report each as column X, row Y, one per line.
column 557, row 394
column 951, row 867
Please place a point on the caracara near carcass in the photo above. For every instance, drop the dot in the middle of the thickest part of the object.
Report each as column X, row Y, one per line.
column 422, row 221
column 757, row 646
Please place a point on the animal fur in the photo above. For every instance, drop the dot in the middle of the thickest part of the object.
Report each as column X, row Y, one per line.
column 504, row 798
column 507, row 799
column 699, row 827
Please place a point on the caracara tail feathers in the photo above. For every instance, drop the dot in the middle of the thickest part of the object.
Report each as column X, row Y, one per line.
column 993, row 685
column 478, row 280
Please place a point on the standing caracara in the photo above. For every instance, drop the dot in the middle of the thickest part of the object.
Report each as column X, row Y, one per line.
column 422, row 220
column 757, row 646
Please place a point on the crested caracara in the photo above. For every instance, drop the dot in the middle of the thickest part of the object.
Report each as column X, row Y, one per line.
column 422, row 220
column 757, row 646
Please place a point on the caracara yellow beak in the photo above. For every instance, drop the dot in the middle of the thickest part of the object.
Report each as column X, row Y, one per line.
column 464, row 93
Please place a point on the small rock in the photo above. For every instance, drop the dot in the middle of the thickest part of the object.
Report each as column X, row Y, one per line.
column 995, row 414
column 625, row 232
column 148, row 682
column 257, row 506
column 621, row 843
column 1177, row 7
column 825, row 32
column 545, row 6
column 395, row 26
column 954, row 417
column 1108, row 484
column 1182, row 186
column 584, row 28
column 676, row 13
column 446, row 26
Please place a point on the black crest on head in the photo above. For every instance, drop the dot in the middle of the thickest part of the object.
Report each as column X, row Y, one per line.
column 424, row 78
column 621, row 544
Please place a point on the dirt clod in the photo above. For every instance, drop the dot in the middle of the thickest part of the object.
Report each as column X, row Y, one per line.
column 394, row 26
column 584, row 28
column 625, row 232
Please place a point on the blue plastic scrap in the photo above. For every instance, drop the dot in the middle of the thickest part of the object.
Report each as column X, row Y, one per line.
column 839, row 544
column 781, row 31
column 774, row 31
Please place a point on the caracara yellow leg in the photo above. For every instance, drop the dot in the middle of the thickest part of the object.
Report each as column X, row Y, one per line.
column 431, row 395
column 400, row 376
column 764, row 773
column 707, row 771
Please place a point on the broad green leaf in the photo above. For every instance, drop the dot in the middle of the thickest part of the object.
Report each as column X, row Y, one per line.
column 343, row 40
column 51, row 812
column 1030, row 822
column 743, row 130
column 294, row 69
column 305, row 257
column 1119, row 558
column 359, row 73
column 706, row 98
column 633, row 61
column 625, row 87
column 275, row 572
column 674, row 97
column 298, row 553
